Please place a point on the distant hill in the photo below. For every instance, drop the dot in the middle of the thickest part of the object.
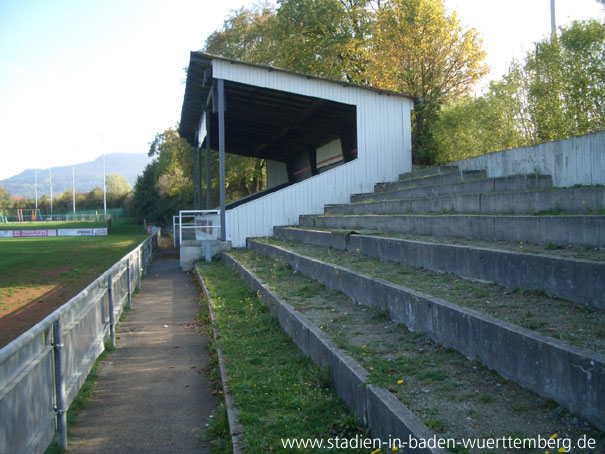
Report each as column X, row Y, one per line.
column 88, row 175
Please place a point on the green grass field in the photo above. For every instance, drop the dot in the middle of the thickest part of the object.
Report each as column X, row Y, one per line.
column 37, row 275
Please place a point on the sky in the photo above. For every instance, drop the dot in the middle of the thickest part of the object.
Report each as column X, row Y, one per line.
column 79, row 78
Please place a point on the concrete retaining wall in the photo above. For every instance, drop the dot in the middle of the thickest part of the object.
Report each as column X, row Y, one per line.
column 573, row 377
column 581, row 281
column 585, row 231
column 376, row 408
column 578, row 160
column 581, row 200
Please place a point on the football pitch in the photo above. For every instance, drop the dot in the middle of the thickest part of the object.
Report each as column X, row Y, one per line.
column 37, row 275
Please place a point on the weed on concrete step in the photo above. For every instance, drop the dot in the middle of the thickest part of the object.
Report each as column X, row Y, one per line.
column 452, row 395
column 580, row 325
column 279, row 392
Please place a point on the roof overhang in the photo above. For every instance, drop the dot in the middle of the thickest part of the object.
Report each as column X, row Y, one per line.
column 263, row 122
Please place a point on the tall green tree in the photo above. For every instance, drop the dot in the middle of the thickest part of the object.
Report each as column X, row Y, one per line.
column 419, row 49
column 5, row 198
column 117, row 184
column 557, row 92
column 247, row 34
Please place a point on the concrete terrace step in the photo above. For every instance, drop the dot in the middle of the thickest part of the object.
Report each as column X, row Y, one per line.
column 364, row 353
column 428, row 171
column 499, row 184
column 581, row 231
column 445, row 178
column 575, row 200
column 545, row 365
column 580, row 281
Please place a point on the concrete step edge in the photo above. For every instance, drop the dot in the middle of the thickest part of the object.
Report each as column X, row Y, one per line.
column 575, row 280
column 429, row 171
column 375, row 407
column 485, row 202
column 574, row 230
column 515, row 180
column 536, row 362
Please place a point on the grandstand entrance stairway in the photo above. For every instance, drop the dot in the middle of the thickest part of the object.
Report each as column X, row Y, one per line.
column 499, row 281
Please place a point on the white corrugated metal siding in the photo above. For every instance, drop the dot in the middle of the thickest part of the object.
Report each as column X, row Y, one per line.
column 384, row 151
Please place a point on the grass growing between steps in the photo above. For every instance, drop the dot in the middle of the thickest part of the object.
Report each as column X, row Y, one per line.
column 278, row 391
column 577, row 324
column 452, row 395
column 552, row 249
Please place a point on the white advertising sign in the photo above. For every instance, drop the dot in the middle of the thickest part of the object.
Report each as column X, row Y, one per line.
column 207, row 227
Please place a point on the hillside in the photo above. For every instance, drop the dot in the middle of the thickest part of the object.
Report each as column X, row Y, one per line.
column 88, row 175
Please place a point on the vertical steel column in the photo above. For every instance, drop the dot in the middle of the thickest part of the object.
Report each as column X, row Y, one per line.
column 112, row 317
column 129, row 285
column 194, row 179
column 221, row 153
column 60, row 386
column 208, row 118
column 200, row 194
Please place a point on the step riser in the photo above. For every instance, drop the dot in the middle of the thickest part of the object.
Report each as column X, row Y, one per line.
column 546, row 366
column 504, row 184
column 454, row 177
column 375, row 407
column 583, row 231
column 580, row 281
column 569, row 200
column 428, row 172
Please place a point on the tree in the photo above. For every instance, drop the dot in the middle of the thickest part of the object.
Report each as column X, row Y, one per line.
column 557, row 92
column 5, row 198
column 246, row 35
column 324, row 37
column 116, row 184
column 565, row 82
column 418, row 49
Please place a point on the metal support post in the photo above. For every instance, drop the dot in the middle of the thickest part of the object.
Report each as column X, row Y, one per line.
column 200, row 196
column 208, row 144
column 129, row 285
column 60, row 386
column 221, row 152
column 112, row 317
column 174, row 231
column 195, row 202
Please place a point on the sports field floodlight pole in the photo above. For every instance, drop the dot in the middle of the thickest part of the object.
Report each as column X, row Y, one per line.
column 73, row 189
column 50, row 182
column 553, row 22
column 36, row 187
column 104, row 189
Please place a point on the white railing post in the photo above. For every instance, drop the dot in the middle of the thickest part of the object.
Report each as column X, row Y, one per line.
column 180, row 229
column 174, row 231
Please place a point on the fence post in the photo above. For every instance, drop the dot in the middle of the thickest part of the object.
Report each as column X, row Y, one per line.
column 112, row 317
column 139, row 271
column 128, row 285
column 145, row 254
column 60, row 386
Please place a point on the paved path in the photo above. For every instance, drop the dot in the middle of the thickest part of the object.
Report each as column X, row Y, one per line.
column 152, row 395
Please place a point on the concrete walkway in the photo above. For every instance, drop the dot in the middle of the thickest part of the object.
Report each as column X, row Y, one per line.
column 152, row 394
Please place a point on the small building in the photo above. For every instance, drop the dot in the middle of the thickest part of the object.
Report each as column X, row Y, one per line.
column 322, row 139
